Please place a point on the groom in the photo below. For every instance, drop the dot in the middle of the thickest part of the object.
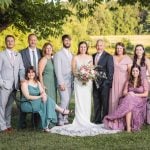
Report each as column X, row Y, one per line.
column 104, row 61
column 62, row 65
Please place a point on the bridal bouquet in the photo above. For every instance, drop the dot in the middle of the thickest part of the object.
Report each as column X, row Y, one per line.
column 86, row 73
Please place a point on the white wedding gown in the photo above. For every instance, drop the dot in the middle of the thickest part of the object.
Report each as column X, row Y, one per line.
column 81, row 125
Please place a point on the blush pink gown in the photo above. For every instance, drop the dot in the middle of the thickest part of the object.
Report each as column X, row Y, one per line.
column 119, row 78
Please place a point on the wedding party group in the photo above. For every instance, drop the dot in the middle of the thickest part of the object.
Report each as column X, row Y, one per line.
column 115, row 86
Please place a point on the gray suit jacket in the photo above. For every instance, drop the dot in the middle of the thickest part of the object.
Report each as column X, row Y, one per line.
column 62, row 65
column 10, row 74
column 26, row 57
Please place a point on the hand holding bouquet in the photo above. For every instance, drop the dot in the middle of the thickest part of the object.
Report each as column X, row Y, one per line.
column 86, row 73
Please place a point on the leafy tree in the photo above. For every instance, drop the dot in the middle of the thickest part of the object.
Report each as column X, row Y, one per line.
column 43, row 17
column 147, row 23
column 102, row 22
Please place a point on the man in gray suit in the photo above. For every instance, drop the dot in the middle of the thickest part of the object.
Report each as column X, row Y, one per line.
column 30, row 56
column 62, row 65
column 11, row 68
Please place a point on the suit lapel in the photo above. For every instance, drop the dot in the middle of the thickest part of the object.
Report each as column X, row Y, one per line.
column 16, row 58
column 101, row 58
column 69, row 60
column 94, row 58
column 38, row 53
column 28, row 56
column 8, row 57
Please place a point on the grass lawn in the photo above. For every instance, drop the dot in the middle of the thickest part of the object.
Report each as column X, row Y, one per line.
column 30, row 139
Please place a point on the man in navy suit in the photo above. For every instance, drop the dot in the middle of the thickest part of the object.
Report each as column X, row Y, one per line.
column 30, row 56
column 103, row 61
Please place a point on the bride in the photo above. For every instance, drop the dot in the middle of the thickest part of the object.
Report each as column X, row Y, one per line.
column 81, row 125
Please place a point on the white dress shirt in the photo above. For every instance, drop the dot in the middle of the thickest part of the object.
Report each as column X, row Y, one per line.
column 97, row 57
column 31, row 55
column 10, row 53
column 68, row 53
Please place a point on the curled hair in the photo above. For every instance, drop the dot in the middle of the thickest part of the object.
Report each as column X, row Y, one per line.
column 131, row 79
column 122, row 45
column 44, row 48
column 142, row 63
column 87, row 47
column 66, row 36
column 8, row 36
column 29, row 69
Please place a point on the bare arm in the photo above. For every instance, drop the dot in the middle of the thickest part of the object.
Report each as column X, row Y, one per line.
column 145, row 93
column 74, row 65
column 25, row 91
column 125, row 90
column 91, row 60
column 42, row 65
column 148, row 65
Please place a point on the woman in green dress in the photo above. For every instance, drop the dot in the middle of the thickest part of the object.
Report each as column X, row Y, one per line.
column 35, row 99
column 46, row 71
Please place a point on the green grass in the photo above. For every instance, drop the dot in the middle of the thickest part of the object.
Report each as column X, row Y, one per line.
column 30, row 139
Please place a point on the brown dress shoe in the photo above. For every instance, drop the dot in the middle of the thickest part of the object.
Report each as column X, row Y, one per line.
column 10, row 129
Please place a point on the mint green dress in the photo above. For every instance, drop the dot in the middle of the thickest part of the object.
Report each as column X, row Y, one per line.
column 49, row 79
column 46, row 110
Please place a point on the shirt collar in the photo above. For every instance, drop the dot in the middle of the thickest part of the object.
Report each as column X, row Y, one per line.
column 100, row 53
column 31, row 49
column 9, row 51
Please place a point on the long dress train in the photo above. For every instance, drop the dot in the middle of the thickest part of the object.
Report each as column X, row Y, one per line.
column 81, row 125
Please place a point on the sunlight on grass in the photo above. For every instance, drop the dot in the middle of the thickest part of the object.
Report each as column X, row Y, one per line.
column 30, row 139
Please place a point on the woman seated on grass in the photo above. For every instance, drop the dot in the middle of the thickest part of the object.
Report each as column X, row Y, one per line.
column 39, row 102
column 131, row 112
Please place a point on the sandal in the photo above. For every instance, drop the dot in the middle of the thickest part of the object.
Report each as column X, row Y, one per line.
column 69, row 112
column 46, row 130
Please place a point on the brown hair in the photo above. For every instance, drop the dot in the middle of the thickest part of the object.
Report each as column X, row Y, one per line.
column 32, row 34
column 31, row 68
column 131, row 79
column 44, row 47
column 122, row 45
column 99, row 40
column 82, row 42
column 142, row 63
column 7, row 36
column 66, row 36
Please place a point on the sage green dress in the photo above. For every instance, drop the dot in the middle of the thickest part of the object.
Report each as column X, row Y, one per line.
column 49, row 79
column 46, row 110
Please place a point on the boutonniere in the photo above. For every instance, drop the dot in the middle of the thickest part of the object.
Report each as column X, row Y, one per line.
column 16, row 54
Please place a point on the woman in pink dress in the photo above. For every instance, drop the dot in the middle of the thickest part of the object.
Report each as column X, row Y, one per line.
column 142, row 60
column 130, row 114
column 122, row 66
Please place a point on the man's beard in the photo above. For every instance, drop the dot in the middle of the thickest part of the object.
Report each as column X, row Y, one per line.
column 66, row 46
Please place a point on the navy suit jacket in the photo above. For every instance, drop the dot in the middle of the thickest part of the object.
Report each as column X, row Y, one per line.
column 107, row 65
column 26, row 57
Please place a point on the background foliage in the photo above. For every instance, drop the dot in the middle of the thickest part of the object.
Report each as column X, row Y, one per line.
column 49, row 20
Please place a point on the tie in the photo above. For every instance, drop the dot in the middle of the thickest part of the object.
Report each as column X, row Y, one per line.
column 12, row 58
column 34, row 61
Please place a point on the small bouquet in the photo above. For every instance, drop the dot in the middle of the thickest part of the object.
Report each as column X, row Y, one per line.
column 100, row 75
column 86, row 73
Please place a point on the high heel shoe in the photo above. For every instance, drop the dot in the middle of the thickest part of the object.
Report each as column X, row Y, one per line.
column 69, row 112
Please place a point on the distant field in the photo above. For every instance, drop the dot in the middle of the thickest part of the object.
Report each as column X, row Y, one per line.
column 113, row 39
column 134, row 39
